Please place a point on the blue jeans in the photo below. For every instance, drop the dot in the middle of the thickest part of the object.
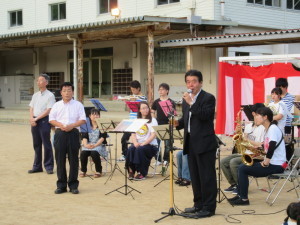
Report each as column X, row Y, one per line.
column 183, row 166
column 256, row 170
column 166, row 156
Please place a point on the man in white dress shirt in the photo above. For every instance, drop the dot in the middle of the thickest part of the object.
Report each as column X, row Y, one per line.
column 67, row 115
column 40, row 106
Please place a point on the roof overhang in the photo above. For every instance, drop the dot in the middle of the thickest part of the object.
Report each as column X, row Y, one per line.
column 133, row 27
column 236, row 40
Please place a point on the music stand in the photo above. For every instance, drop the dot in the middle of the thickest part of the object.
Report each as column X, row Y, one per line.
column 125, row 126
column 167, row 108
column 98, row 104
column 163, row 132
column 106, row 125
column 133, row 106
column 248, row 112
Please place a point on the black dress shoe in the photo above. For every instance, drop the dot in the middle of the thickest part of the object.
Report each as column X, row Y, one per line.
column 74, row 191
column 60, row 190
column 185, row 183
column 204, row 213
column 49, row 171
column 178, row 181
column 35, row 171
column 240, row 202
column 234, row 198
column 192, row 210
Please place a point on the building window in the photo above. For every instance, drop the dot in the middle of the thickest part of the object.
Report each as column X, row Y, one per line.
column 242, row 54
column 293, row 4
column 16, row 18
column 163, row 2
column 170, row 60
column 274, row 3
column 107, row 5
column 58, row 11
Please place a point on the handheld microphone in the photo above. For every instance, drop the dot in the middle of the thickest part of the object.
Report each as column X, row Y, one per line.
column 189, row 91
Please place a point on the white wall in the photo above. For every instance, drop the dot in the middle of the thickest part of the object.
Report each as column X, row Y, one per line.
column 258, row 16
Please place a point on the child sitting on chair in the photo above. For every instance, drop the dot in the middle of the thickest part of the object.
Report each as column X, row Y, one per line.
column 144, row 145
column 92, row 145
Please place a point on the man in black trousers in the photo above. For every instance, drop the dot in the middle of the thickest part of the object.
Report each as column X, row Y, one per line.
column 200, row 144
column 40, row 106
column 67, row 115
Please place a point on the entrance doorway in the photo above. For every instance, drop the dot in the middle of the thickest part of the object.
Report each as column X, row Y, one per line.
column 97, row 77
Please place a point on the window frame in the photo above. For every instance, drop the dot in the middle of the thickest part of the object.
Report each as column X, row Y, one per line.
column 165, row 62
column 297, row 3
column 16, row 18
column 58, row 13
column 168, row 2
column 263, row 4
column 109, row 6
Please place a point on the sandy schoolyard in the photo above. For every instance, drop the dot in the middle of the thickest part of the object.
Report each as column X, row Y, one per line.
column 30, row 199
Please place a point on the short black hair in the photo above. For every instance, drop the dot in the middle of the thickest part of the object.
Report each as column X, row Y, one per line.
column 46, row 76
column 293, row 211
column 67, row 84
column 282, row 82
column 164, row 86
column 135, row 84
column 277, row 91
column 93, row 112
column 256, row 106
column 195, row 73
column 266, row 111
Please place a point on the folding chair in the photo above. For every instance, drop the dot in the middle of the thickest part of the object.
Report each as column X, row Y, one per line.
column 156, row 160
column 291, row 174
column 105, row 157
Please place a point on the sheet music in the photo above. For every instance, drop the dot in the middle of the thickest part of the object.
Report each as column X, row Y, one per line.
column 130, row 125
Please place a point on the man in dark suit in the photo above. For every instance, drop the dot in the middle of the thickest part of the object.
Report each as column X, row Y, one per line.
column 200, row 144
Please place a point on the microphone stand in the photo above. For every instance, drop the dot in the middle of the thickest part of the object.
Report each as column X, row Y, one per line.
column 219, row 171
column 171, row 209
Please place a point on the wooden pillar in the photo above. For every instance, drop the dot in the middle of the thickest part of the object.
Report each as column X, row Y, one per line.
column 225, row 51
column 80, row 70
column 150, row 65
column 189, row 58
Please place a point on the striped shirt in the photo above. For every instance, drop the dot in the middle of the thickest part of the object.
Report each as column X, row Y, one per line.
column 288, row 99
column 140, row 98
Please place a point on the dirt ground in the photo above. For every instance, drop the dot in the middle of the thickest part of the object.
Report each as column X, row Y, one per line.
column 30, row 199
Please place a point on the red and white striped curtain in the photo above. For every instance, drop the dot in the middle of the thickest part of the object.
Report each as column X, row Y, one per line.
column 241, row 85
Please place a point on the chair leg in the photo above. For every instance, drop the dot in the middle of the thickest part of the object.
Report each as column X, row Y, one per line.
column 156, row 160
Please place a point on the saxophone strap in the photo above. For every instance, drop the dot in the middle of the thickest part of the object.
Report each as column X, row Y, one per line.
column 279, row 142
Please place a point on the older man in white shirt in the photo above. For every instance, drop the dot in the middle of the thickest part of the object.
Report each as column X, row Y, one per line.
column 40, row 106
column 67, row 115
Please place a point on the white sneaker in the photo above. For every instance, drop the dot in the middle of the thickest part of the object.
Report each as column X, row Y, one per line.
column 157, row 163
column 166, row 163
column 122, row 158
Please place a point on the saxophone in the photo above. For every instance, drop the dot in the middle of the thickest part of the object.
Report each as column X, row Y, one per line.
column 238, row 137
column 258, row 153
column 243, row 144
